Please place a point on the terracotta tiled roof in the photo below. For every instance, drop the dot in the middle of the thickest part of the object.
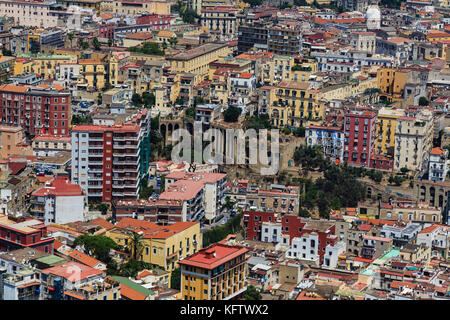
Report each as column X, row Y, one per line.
column 84, row 258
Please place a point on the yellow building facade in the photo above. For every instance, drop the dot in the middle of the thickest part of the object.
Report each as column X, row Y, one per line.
column 197, row 60
column 391, row 83
column 386, row 126
column 45, row 65
column 295, row 103
column 162, row 248
column 214, row 273
column 93, row 73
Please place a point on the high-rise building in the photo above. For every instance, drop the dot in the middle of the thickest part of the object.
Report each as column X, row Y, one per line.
column 109, row 162
column 285, row 41
column 414, row 141
column 359, row 141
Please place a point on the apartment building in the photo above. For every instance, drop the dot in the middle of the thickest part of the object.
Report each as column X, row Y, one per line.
column 46, row 65
column 66, row 277
column 106, row 161
column 279, row 199
column 296, row 103
column 252, row 36
column 94, row 74
column 136, row 7
column 360, row 133
column 438, row 164
column 411, row 211
column 201, row 193
column 59, row 202
column 48, row 146
column 163, row 246
column 285, row 41
column 364, row 41
column 306, row 248
column 331, row 139
column 437, row 238
column 29, row 13
column 374, row 247
column 37, row 109
column 414, row 141
column 220, row 21
column 197, row 60
column 160, row 212
column 392, row 82
column 24, row 233
column 386, row 128
column 214, row 273
column 288, row 229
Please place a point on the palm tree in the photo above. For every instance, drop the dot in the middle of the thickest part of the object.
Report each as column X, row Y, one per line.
column 70, row 37
column 135, row 245
column 173, row 42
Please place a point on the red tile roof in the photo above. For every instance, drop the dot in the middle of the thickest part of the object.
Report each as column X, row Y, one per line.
column 84, row 258
column 154, row 231
column 73, row 271
column 61, row 186
column 102, row 223
column 16, row 167
column 213, row 256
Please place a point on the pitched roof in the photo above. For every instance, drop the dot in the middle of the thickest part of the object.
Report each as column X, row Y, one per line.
column 61, row 186
column 16, row 167
column 214, row 256
column 84, row 258
column 102, row 223
column 132, row 290
column 153, row 231
column 73, row 271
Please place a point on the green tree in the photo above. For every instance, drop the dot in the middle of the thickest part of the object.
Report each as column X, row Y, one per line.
column 148, row 99
column 100, row 246
column 173, row 42
column 231, row 114
column 132, row 267
column 189, row 16
column 96, row 43
column 252, row 293
column 77, row 119
column 423, row 101
column 404, row 170
column 103, row 207
column 136, row 99
column 151, row 48
column 135, row 245
column 110, row 42
column 175, row 279
column 254, row 3
column 258, row 122
column 221, row 232
column 70, row 37
column 299, row 132
column 229, row 204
